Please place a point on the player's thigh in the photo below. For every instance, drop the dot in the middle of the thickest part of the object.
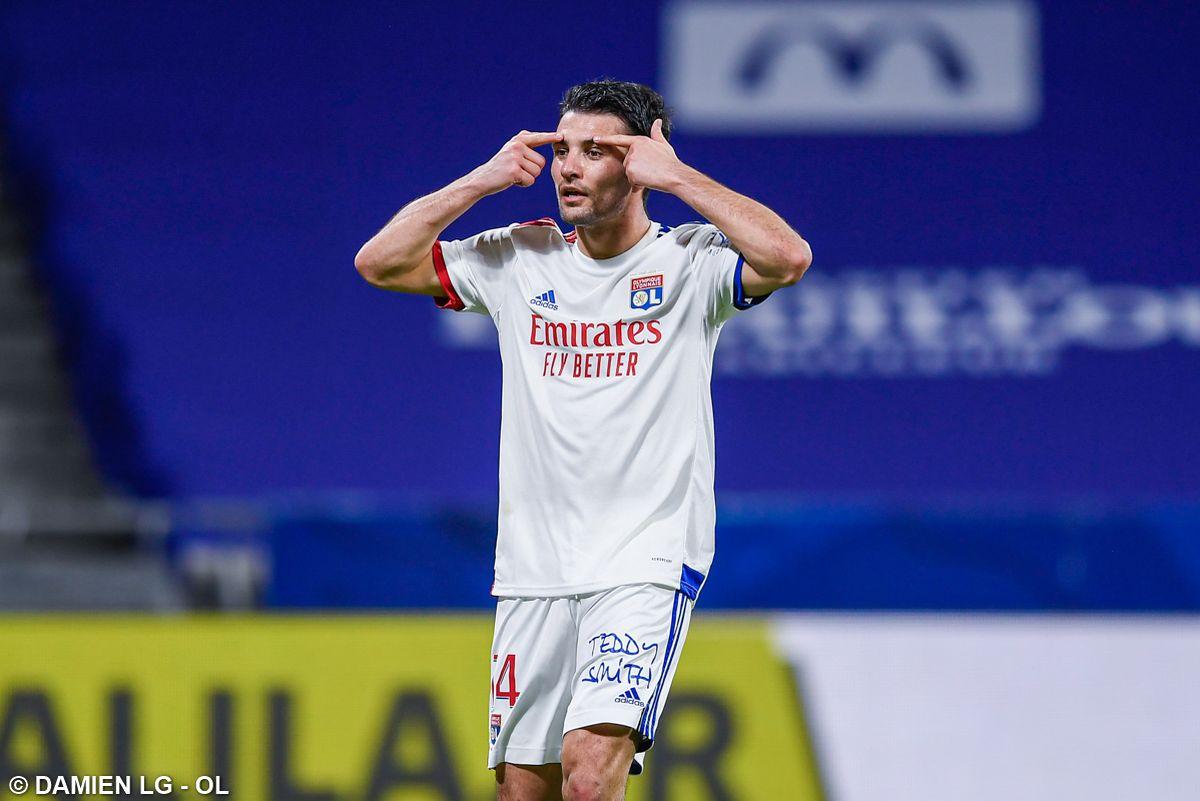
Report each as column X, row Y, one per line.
column 596, row 762
column 629, row 643
column 529, row 782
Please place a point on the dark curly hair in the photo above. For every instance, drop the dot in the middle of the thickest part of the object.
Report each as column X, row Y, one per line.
column 636, row 104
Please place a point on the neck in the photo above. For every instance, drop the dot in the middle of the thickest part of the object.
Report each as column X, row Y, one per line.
column 609, row 238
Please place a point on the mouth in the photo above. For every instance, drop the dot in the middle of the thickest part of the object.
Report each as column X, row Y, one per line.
column 571, row 194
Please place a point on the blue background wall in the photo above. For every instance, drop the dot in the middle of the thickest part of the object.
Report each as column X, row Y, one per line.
column 204, row 174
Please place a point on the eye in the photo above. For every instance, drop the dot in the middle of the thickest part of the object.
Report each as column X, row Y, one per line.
column 559, row 152
column 595, row 153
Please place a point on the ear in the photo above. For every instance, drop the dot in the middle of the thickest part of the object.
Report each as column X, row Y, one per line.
column 656, row 131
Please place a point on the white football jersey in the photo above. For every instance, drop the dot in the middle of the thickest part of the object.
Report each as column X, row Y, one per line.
column 606, row 433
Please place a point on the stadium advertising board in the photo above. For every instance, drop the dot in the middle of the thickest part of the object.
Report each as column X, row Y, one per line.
column 803, row 707
column 325, row 709
column 992, row 708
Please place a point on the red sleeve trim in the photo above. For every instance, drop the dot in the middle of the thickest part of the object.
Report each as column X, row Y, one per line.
column 451, row 299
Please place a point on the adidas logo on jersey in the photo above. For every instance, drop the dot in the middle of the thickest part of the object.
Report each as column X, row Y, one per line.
column 545, row 299
column 630, row 696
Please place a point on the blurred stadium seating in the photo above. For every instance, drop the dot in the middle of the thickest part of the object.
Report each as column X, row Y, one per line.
column 66, row 541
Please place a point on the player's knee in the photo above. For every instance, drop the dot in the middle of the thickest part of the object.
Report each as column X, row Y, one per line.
column 596, row 762
column 586, row 785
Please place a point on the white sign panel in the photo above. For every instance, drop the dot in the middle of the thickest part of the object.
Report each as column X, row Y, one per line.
column 950, row 708
column 853, row 66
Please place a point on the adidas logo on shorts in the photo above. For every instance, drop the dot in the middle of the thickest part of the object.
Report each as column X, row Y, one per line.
column 630, row 696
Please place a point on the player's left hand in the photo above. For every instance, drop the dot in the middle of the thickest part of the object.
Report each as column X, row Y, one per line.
column 650, row 161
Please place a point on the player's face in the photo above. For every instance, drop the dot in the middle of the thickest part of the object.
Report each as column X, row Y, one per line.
column 590, row 180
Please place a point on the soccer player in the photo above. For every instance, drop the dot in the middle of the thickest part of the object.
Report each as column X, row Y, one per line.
column 606, row 336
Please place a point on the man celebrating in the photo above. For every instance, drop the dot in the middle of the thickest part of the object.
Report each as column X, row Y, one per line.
column 607, row 335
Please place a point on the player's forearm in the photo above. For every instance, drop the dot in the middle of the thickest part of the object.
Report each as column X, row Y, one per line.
column 766, row 241
column 409, row 236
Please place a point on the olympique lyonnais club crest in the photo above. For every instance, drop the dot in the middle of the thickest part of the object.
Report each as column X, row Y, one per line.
column 646, row 291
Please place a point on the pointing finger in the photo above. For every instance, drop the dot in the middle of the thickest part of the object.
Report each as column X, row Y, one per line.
column 616, row 140
column 538, row 139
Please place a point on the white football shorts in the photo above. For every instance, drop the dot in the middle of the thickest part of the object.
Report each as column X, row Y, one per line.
column 560, row 664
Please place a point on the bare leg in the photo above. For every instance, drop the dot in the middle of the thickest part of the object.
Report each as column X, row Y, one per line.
column 528, row 782
column 596, row 762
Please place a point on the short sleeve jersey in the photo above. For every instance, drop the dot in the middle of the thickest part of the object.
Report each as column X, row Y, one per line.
column 606, row 434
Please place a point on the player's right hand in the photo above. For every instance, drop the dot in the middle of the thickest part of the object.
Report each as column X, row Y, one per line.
column 517, row 163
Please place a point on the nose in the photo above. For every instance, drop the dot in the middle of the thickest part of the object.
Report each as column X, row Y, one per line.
column 569, row 165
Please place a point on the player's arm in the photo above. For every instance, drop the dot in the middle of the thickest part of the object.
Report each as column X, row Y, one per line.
column 400, row 256
column 775, row 255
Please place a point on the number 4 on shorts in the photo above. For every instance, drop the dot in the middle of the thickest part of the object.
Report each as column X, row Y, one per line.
column 508, row 671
